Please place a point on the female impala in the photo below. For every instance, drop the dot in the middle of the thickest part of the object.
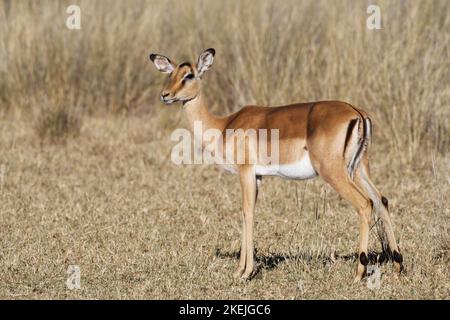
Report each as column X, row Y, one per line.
column 326, row 138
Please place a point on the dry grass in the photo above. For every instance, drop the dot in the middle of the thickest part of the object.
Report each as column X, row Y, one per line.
column 109, row 200
column 56, row 125
column 142, row 227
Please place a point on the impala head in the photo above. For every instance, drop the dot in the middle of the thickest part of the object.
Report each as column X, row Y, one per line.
column 184, row 81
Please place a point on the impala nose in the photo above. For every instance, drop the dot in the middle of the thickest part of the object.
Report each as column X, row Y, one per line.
column 164, row 96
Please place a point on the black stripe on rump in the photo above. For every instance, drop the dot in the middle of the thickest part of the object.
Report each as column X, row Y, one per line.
column 350, row 128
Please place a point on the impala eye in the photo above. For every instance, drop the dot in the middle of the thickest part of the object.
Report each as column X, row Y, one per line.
column 189, row 76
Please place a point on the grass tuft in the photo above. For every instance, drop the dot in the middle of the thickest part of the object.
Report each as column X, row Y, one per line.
column 56, row 125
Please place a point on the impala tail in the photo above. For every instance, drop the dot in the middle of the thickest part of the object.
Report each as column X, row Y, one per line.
column 362, row 129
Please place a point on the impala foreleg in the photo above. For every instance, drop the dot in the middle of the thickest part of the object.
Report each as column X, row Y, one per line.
column 242, row 258
column 249, row 191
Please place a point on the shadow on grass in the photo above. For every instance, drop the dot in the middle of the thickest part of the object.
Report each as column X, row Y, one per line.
column 270, row 261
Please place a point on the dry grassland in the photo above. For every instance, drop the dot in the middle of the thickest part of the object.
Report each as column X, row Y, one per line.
column 85, row 171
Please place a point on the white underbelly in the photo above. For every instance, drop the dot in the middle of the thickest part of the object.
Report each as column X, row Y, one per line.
column 231, row 168
column 302, row 169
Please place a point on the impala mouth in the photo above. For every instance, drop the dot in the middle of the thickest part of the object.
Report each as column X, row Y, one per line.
column 168, row 101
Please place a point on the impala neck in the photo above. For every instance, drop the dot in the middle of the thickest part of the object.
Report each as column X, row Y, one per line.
column 197, row 110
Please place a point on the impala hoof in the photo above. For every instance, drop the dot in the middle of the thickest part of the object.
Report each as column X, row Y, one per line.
column 238, row 273
column 399, row 267
column 361, row 267
column 248, row 274
column 245, row 277
column 398, row 261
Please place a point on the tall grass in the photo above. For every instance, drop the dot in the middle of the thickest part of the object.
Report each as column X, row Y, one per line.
column 268, row 52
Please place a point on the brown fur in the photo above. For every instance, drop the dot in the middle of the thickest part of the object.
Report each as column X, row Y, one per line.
column 319, row 128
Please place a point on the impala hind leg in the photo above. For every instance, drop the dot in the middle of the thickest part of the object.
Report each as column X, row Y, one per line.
column 384, row 224
column 249, row 193
column 342, row 183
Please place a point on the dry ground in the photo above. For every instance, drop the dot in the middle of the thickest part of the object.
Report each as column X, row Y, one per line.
column 141, row 227
column 110, row 201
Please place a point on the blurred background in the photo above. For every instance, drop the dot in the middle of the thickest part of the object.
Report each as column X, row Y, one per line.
column 268, row 53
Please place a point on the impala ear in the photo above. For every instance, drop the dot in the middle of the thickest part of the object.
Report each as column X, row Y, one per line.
column 162, row 63
column 205, row 60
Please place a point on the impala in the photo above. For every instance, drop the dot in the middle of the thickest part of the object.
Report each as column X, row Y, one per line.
column 330, row 139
